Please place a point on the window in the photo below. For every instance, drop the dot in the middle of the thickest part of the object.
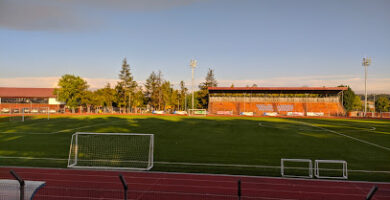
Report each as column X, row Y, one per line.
column 25, row 100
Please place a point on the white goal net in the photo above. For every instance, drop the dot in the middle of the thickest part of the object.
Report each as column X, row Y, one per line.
column 197, row 112
column 111, row 151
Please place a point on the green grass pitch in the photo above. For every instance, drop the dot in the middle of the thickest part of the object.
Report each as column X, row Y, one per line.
column 229, row 145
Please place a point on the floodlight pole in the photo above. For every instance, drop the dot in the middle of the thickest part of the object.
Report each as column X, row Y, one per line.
column 366, row 62
column 193, row 64
column 185, row 101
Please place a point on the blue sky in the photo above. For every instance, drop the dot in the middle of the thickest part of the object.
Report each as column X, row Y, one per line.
column 267, row 42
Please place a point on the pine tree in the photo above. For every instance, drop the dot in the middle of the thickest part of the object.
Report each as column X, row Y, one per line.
column 183, row 95
column 126, row 86
column 203, row 94
column 153, row 90
column 349, row 99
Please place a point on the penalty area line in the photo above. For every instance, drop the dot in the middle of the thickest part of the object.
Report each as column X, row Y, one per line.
column 347, row 136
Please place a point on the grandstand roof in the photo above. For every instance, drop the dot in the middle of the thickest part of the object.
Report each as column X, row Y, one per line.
column 279, row 88
column 26, row 92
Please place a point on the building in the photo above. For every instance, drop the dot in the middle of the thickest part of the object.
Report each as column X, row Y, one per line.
column 273, row 101
column 13, row 100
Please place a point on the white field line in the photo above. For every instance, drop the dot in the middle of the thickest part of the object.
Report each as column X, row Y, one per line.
column 61, row 131
column 347, row 136
column 81, row 127
column 28, row 133
column 215, row 164
column 258, row 166
column 32, row 158
column 208, row 164
column 188, row 173
column 301, row 129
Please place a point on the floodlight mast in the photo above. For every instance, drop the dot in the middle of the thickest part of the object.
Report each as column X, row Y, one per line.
column 193, row 64
column 366, row 62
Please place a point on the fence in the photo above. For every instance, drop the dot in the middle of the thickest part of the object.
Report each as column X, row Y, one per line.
column 101, row 185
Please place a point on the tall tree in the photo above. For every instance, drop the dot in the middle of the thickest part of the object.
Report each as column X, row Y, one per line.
column 170, row 96
column 126, row 86
column 120, row 96
column 105, row 97
column 382, row 104
column 160, row 89
column 203, row 94
column 88, row 100
column 348, row 99
column 182, row 95
column 153, row 90
column 357, row 104
column 71, row 90
column 166, row 92
column 138, row 99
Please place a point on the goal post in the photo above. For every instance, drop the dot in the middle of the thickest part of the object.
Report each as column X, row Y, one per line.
column 331, row 169
column 197, row 112
column 132, row 151
column 302, row 168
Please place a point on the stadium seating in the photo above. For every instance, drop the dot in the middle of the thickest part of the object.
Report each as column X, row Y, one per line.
column 282, row 108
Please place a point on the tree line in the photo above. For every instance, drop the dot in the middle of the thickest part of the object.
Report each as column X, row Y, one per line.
column 158, row 94
column 129, row 96
column 353, row 102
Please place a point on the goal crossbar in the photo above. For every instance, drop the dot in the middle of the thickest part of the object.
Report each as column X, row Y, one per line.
column 132, row 151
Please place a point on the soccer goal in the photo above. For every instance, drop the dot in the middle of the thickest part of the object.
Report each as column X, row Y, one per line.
column 298, row 168
column 331, row 169
column 111, row 151
column 197, row 112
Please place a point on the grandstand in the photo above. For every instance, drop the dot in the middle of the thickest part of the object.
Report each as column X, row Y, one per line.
column 277, row 101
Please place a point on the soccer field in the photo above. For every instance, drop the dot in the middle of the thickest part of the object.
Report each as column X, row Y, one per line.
column 229, row 145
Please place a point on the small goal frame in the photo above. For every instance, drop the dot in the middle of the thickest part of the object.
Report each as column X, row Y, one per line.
column 194, row 110
column 317, row 168
column 75, row 138
column 282, row 167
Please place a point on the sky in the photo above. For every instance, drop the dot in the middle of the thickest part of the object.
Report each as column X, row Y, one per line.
column 264, row 42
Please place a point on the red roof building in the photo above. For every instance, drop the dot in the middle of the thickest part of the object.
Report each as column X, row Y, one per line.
column 27, row 92
column 13, row 100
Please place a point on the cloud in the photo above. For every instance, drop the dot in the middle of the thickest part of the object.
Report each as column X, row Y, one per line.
column 38, row 82
column 375, row 84
column 38, row 15
column 71, row 14
column 50, row 82
column 132, row 5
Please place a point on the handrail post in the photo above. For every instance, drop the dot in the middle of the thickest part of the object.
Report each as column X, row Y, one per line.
column 372, row 192
column 125, row 187
column 239, row 189
column 21, row 183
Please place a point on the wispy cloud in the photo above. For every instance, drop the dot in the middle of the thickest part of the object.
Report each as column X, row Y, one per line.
column 375, row 84
column 50, row 82
column 71, row 14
